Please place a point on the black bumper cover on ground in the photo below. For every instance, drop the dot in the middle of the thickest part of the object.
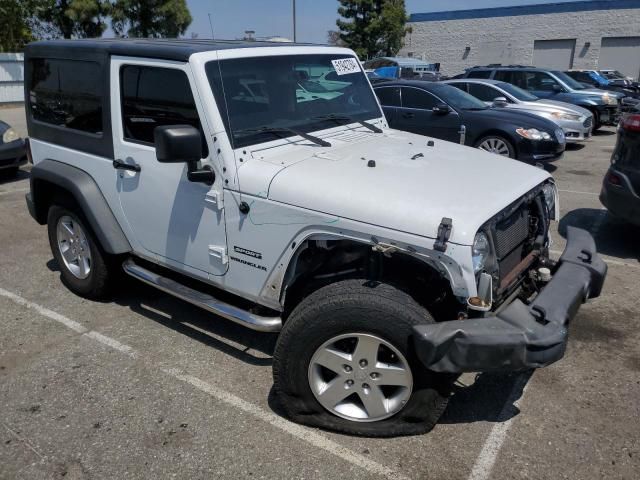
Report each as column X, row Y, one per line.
column 521, row 336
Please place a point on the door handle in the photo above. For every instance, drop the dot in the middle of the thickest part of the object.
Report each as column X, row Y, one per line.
column 408, row 115
column 120, row 165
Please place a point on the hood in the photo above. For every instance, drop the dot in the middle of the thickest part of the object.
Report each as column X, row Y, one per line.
column 518, row 117
column 597, row 91
column 554, row 105
column 412, row 186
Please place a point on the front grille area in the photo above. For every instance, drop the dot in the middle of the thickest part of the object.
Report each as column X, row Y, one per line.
column 588, row 122
column 511, row 241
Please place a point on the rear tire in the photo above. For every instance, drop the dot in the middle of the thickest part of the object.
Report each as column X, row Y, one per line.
column 353, row 308
column 84, row 267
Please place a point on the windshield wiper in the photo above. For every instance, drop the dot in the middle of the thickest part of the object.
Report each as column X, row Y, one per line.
column 277, row 130
column 347, row 118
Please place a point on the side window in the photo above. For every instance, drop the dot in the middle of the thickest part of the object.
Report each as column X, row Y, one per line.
column 415, row 98
column 540, row 81
column 519, row 79
column 479, row 74
column 461, row 86
column 504, row 76
column 60, row 94
column 155, row 96
column 388, row 96
column 484, row 92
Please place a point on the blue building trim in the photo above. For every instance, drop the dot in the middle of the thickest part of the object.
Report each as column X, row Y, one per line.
column 561, row 7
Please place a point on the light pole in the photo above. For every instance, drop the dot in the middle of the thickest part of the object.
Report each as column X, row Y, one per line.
column 211, row 25
column 294, row 20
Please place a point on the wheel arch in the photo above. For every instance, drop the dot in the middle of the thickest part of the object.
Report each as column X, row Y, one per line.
column 315, row 260
column 53, row 181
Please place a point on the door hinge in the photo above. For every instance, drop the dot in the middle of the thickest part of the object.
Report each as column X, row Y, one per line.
column 219, row 253
column 215, row 198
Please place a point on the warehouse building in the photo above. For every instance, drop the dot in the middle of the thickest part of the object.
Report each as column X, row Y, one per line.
column 601, row 34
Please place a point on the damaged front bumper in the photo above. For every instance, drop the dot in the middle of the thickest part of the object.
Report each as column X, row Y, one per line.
column 521, row 336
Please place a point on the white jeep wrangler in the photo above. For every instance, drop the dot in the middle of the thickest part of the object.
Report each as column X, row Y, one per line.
column 261, row 182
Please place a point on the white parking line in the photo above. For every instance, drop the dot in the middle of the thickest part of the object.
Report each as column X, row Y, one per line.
column 17, row 190
column 487, row 458
column 308, row 435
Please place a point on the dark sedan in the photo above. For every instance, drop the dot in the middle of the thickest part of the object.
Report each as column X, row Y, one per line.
column 12, row 151
column 621, row 186
column 446, row 112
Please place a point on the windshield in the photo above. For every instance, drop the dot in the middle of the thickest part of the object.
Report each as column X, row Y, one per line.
column 456, row 97
column 517, row 92
column 567, row 80
column 290, row 92
column 613, row 74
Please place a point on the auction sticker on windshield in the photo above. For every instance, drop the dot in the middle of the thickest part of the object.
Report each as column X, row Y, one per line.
column 346, row 65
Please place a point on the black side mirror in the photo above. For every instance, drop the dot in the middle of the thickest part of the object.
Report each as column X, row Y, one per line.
column 182, row 144
column 441, row 109
column 177, row 144
column 557, row 88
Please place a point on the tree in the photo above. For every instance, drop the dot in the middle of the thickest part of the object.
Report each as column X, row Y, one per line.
column 16, row 23
column 333, row 38
column 150, row 18
column 75, row 18
column 372, row 27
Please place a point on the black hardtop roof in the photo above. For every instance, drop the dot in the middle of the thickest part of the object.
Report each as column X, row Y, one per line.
column 168, row 49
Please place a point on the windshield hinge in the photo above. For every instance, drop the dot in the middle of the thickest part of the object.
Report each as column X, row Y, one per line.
column 219, row 253
column 444, row 232
column 215, row 198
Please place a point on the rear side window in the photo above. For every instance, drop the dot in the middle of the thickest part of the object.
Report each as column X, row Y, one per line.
column 484, row 92
column 479, row 74
column 389, row 96
column 155, row 96
column 460, row 86
column 415, row 98
column 67, row 93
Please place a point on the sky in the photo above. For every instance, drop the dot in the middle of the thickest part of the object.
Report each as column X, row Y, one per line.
column 230, row 18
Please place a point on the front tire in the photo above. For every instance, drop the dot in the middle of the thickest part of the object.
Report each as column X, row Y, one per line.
column 345, row 361
column 84, row 266
column 498, row 145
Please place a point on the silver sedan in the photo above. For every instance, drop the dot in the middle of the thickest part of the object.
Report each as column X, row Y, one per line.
column 577, row 122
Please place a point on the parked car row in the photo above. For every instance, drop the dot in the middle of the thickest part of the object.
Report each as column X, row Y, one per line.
column 12, row 151
column 443, row 111
column 557, row 85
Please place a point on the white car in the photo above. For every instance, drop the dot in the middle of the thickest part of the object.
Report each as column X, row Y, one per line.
column 388, row 262
column 575, row 121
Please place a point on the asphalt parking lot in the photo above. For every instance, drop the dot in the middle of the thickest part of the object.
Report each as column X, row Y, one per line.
column 146, row 386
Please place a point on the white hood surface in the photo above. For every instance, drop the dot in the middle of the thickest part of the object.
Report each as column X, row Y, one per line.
column 405, row 191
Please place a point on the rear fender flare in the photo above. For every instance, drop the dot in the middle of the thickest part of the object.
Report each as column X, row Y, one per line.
column 86, row 193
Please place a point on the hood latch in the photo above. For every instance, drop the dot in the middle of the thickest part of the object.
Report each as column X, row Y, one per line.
column 444, row 232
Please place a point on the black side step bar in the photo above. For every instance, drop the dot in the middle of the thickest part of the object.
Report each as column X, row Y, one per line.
column 203, row 300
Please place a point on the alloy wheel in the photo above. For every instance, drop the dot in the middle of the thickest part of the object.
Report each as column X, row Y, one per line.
column 74, row 247
column 495, row 145
column 360, row 377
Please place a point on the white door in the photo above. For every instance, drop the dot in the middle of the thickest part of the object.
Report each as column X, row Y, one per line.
column 172, row 219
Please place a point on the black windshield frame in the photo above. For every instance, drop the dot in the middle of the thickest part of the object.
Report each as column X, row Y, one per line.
column 273, row 91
